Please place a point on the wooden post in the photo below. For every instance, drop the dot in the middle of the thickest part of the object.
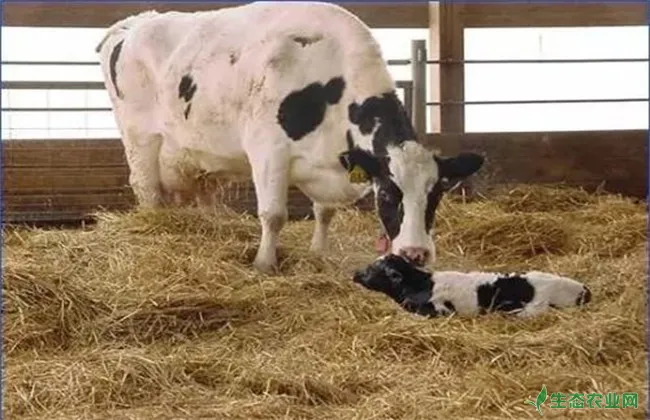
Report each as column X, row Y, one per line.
column 419, row 98
column 447, row 80
column 435, row 30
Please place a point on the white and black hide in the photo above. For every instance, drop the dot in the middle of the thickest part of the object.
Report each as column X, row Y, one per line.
column 472, row 293
column 286, row 94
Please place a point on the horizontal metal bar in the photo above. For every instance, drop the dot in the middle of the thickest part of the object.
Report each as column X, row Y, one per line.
column 62, row 85
column 397, row 62
column 50, row 63
column 513, row 102
column 549, row 61
column 539, row 101
column 540, row 61
column 390, row 62
column 96, row 63
column 561, row 61
column 10, row 129
column 56, row 109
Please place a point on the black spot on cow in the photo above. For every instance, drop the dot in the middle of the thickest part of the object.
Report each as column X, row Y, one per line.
column 507, row 293
column 349, row 140
column 112, row 63
column 450, row 306
column 306, row 40
column 389, row 113
column 186, row 88
column 233, row 57
column 433, row 200
column 426, row 309
column 302, row 111
column 389, row 205
column 584, row 297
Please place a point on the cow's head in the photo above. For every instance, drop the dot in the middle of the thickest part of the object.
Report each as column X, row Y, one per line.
column 399, row 279
column 408, row 179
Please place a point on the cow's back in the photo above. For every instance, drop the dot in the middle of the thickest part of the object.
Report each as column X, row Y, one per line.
column 206, row 80
column 245, row 61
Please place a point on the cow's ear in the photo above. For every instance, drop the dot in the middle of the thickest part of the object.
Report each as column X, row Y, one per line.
column 459, row 167
column 360, row 164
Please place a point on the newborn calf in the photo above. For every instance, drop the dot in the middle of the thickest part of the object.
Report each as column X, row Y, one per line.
column 472, row 293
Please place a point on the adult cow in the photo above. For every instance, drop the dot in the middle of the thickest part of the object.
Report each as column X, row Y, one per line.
column 292, row 93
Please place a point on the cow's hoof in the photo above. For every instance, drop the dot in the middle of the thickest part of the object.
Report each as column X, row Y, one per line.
column 265, row 267
column 318, row 247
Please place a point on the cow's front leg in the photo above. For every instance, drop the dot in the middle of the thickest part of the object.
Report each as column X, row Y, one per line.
column 270, row 166
column 323, row 216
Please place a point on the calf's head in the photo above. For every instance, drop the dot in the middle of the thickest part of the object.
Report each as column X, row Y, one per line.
column 408, row 179
column 409, row 182
column 400, row 280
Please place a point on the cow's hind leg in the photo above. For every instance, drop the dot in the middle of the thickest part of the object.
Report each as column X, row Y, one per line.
column 323, row 216
column 141, row 150
column 270, row 166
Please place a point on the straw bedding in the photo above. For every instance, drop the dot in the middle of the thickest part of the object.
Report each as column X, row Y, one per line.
column 157, row 315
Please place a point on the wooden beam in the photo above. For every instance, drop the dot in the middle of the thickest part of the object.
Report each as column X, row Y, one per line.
column 63, row 153
column 65, row 203
column 78, row 14
column 484, row 15
column 446, row 39
column 71, row 180
column 435, row 33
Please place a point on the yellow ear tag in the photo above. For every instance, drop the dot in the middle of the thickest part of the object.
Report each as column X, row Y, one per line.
column 357, row 175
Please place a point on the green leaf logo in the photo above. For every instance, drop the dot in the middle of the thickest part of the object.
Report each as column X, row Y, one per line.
column 539, row 401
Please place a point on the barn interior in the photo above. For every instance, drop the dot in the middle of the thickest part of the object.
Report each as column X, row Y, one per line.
column 115, row 312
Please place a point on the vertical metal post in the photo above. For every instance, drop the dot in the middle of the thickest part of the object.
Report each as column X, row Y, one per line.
column 408, row 99
column 419, row 98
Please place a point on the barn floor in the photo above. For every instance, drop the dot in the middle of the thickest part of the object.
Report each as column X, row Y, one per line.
column 157, row 316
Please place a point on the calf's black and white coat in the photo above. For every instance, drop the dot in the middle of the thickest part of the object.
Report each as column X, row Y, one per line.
column 472, row 293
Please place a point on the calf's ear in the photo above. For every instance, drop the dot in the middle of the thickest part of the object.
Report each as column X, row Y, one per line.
column 459, row 167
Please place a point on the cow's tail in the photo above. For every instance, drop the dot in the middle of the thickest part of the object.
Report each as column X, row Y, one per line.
column 123, row 26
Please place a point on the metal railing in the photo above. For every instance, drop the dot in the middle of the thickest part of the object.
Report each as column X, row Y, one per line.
column 405, row 85
column 419, row 61
column 415, row 90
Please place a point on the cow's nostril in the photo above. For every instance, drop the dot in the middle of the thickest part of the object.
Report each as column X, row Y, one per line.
column 418, row 256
